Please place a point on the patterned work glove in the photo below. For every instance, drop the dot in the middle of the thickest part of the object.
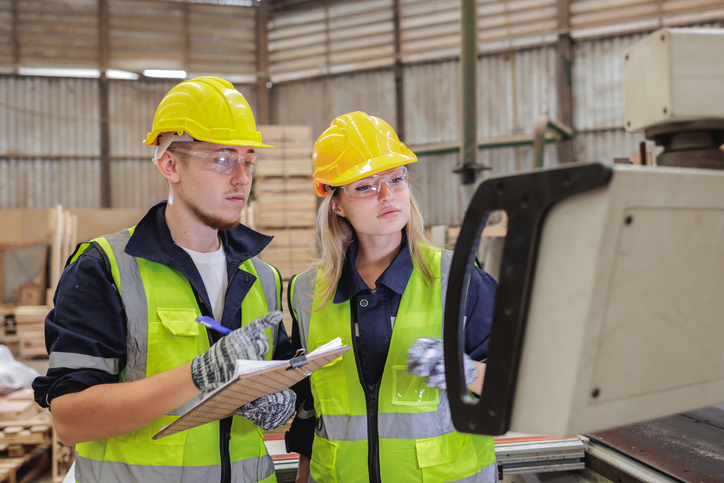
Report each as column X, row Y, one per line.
column 425, row 359
column 215, row 367
column 270, row 411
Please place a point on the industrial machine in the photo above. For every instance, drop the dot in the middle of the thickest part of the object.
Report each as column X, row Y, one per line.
column 609, row 310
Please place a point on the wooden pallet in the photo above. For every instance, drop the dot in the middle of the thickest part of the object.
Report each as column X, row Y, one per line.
column 27, row 467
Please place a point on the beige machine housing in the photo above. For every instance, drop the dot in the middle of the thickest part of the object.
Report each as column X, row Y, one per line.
column 626, row 320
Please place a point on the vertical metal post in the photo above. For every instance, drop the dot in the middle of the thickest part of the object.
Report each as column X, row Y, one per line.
column 263, row 99
column 103, row 91
column 468, row 168
column 399, row 85
column 563, row 73
column 468, row 60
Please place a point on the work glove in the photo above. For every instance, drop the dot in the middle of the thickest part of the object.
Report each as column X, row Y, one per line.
column 425, row 359
column 216, row 366
column 270, row 411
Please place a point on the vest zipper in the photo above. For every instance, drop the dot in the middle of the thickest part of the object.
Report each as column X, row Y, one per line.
column 225, row 437
column 373, row 440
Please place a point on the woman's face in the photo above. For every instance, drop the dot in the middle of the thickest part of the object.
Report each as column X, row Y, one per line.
column 383, row 212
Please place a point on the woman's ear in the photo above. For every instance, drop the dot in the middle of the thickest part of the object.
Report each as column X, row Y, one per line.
column 168, row 165
column 334, row 203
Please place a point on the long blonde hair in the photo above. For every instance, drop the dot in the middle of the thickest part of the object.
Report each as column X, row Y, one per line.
column 334, row 235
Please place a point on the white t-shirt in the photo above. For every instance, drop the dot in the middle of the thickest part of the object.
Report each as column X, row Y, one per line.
column 212, row 268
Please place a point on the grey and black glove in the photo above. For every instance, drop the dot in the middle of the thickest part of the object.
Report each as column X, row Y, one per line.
column 425, row 359
column 215, row 367
column 270, row 411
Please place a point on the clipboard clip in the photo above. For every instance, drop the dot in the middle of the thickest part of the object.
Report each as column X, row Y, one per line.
column 299, row 360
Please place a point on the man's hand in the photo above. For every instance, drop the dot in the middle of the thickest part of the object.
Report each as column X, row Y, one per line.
column 425, row 359
column 215, row 367
column 270, row 411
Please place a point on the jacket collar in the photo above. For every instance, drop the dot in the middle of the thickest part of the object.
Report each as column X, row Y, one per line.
column 395, row 277
column 152, row 240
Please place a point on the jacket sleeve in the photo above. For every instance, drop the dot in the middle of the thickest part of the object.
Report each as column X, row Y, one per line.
column 85, row 333
column 479, row 310
column 301, row 433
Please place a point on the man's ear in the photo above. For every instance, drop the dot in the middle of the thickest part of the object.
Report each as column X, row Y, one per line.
column 168, row 164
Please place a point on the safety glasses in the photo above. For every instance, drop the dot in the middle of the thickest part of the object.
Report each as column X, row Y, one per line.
column 395, row 179
column 223, row 162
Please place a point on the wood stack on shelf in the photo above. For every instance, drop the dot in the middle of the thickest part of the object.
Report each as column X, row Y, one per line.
column 285, row 199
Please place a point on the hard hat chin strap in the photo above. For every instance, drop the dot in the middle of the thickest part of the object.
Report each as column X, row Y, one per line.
column 164, row 141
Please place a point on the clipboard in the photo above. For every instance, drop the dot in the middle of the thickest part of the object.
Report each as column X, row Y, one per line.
column 250, row 386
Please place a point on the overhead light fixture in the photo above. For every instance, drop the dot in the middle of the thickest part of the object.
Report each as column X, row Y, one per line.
column 165, row 74
column 59, row 72
column 121, row 74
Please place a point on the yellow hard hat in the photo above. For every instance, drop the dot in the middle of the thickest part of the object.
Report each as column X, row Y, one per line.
column 354, row 146
column 209, row 109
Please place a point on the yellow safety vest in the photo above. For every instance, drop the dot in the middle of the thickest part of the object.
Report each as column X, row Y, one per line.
column 417, row 440
column 161, row 335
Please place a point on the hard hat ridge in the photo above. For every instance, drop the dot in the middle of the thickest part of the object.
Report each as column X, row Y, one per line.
column 209, row 109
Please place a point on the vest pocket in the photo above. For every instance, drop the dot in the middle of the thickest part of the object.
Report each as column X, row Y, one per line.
column 175, row 328
column 446, row 458
column 324, row 460
column 329, row 387
column 410, row 390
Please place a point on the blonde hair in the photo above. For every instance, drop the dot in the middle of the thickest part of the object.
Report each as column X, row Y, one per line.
column 334, row 235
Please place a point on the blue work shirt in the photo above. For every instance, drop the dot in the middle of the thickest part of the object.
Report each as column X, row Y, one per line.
column 89, row 317
column 373, row 313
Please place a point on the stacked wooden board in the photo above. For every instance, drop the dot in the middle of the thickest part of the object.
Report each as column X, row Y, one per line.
column 30, row 328
column 285, row 203
column 25, row 437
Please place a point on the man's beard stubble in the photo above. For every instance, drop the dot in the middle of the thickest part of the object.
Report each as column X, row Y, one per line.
column 215, row 222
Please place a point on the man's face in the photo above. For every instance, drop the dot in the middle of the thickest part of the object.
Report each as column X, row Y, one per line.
column 211, row 186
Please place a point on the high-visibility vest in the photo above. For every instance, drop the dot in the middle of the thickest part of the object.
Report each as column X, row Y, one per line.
column 161, row 335
column 417, row 440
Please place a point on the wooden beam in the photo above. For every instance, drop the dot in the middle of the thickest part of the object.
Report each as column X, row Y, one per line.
column 564, row 50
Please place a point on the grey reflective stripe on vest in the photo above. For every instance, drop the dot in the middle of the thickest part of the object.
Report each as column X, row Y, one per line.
column 133, row 297
column 390, row 425
column 303, row 290
column 267, row 278
column 488, row 474
column 71, row 360
column 244, row 471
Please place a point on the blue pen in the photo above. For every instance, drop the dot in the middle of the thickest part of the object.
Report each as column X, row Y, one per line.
column 213, row 324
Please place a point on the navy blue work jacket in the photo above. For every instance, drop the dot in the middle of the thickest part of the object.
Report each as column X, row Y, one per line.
column 89, row 318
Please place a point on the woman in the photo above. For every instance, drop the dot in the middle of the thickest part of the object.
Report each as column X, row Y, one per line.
column 379, row 286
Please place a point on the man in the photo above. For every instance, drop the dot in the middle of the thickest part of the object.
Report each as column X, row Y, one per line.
column 126, row 355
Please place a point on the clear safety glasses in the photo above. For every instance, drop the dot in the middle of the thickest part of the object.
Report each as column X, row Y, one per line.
column 395, row 179
column 224, row 162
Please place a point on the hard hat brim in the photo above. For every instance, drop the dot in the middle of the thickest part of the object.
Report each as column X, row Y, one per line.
column 372, row 166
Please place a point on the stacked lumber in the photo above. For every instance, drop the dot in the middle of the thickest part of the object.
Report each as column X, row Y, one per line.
column 30, row 328
column 25, row 436
column 285, row 201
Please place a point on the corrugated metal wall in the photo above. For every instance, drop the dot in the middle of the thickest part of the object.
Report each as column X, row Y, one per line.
column 50, row 144
column 317, row 101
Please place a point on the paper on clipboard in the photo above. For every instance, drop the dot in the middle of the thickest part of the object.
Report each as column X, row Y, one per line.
column 253, row 379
